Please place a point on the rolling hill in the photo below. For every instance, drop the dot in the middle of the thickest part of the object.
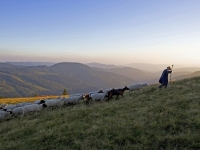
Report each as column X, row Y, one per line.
column 138, row 75
column 148, row 67
column 16, row 81
column 103, row 66
column 194, row 74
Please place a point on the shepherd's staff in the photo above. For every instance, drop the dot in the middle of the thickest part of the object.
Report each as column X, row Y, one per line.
column 171, row 75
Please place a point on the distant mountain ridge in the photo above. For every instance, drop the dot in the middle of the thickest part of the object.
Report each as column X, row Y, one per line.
column 29, row 63
column 194, row 74
column 139, row 76
column 146, row 73
column 104, row 66
column 17, row 81
column 147, row 67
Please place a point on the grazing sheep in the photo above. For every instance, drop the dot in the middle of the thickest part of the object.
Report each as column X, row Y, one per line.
column 54, row 102
column 72, row 95
column 4, row 114
column 39, row 102
column 2, row 105
column 95, row 92
column 23, row 104
column 139, row 86
column 33, row 108
column 95, row 97
column 74, row 99
column 10, row 107
column 19, row 111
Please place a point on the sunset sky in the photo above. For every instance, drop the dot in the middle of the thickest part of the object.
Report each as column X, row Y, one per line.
column 104, row 31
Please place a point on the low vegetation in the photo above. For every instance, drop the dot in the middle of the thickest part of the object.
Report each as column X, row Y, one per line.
column 156, row 119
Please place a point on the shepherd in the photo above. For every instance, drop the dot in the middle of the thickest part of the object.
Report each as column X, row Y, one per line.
column 164, row 77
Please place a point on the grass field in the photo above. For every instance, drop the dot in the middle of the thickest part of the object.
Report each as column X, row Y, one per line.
column 156, row 119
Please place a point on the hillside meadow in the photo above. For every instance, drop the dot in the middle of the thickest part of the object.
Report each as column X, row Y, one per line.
column 156, row 119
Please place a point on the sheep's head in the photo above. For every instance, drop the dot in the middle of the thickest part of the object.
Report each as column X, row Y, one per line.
column 82, row 98
column 100, row 91
column 87, row 96
column 126, row 88
column 44, row 105
column 41, row 102
column 9, row 111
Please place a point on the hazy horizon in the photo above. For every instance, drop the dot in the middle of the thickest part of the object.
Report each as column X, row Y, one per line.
column 118, row 32
column 99, row 63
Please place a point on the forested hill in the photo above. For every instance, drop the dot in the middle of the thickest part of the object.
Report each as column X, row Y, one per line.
column 17, row 81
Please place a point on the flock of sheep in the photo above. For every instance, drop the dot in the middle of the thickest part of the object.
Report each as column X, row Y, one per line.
column 27, row 107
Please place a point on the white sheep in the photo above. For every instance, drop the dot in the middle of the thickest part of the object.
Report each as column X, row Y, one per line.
column 39, row 102
column 138, row 86
column 2, row 105
column 19, row 111
column 4, row 114
column 72, row 95
column 33, row 108
column 95, row 92
column 10, row 107
column 23, row 104
column 74, row 99
column 54, row 102
column 96, row 97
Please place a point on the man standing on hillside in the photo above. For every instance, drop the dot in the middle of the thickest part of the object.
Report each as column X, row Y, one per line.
column 164, row 77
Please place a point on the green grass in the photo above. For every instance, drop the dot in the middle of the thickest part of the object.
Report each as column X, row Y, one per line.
column 156, row 119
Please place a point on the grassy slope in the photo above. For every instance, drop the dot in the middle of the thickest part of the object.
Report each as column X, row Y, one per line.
column 156, row 119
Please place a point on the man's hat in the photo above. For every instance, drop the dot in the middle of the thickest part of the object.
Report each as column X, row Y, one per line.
column 169, row 68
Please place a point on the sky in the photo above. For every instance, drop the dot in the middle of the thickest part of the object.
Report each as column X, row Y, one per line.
column 105, row 31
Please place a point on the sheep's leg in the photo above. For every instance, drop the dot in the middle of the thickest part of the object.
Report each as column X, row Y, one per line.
column 117, row 97
column 22, row 116
column 90, row 100
column 109, row 97
column 86, row 102
column 27, row 114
